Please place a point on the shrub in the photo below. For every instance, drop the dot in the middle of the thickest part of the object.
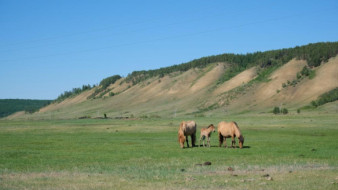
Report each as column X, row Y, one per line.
column 285, row 111
column 109, row 80
column 305, row 71
column 276, row 110
column 327, row 97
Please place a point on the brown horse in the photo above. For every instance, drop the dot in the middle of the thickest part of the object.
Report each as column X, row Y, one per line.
column 187, row 128
column 205, row 133
column 231, row 129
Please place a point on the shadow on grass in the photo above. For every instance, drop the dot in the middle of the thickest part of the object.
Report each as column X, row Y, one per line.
column 216, row 146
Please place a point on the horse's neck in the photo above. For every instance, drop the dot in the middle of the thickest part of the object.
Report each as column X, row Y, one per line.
column 238, row 132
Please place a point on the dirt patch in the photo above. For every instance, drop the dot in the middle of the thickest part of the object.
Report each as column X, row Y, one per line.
column 238, row 80
column 286, row 73
column 325, row 80
column 70, row 101
column 209, row 78
column 15, row 115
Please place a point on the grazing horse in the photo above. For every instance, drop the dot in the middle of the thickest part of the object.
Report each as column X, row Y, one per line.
column 187, row 128
column 205, row 133
column 231, row 129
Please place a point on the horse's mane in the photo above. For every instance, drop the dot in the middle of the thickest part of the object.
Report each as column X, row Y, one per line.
column 180, row 130
column 237, row 129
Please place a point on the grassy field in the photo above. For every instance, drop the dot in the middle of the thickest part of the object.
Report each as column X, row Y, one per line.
column 281, row 152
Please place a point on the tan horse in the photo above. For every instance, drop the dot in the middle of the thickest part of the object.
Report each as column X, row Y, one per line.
column 187, row 128
column 231, row 129
column 205, row 133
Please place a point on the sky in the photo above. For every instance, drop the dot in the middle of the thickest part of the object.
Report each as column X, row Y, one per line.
column 48, row 47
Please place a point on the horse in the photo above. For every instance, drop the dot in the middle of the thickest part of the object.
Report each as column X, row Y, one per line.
column 231, row 129
column 205, row 133
column 187, row 128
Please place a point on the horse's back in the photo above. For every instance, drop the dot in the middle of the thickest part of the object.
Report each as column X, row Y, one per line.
column 189, row 127
column 227, row 128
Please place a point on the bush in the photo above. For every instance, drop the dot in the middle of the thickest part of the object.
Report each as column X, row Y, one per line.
column 305, row 71
column 108, row 81
column 276, row 110
column 327, row 97
column 285, row 111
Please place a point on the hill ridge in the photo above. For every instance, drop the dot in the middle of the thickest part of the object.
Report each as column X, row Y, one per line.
column 219, row 87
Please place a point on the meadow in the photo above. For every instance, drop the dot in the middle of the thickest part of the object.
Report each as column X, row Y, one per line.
column 297, row 151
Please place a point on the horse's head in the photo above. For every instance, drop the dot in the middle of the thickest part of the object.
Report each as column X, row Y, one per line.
column 241, row 141
column 212, row 127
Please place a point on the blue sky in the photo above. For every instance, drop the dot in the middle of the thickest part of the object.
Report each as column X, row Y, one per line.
column 48, row 47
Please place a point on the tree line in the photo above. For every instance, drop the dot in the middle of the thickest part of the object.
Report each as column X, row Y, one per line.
column 73, row 92
column 327, row 97
column 10, row 106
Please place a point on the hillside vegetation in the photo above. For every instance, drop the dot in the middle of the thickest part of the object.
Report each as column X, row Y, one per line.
column 10, row 106
column 214, row 85
column 314, row 54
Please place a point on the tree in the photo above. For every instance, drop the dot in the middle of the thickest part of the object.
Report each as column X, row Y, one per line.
column 285, row 111
column 276, row 110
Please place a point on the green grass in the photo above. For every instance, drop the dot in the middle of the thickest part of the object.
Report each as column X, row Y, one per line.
column 297, row 151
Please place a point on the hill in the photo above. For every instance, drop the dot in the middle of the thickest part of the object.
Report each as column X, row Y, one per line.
column 10, row 106
column 214, row 85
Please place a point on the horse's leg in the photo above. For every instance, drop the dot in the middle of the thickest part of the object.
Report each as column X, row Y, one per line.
column 186, row 138
column 233, row 142
column 208, row 141
column 193, row 140
column 220, row 139
column 225, row 142
column 201, row 138
column 199, row 145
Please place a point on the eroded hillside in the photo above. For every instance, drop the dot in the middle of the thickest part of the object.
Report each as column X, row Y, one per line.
column 257, row 83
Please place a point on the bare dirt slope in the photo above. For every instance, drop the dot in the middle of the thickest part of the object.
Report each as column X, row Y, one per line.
column 68, row 102
column 209, row 78
column 325, row 80
column 271, row 93
column 236, row 81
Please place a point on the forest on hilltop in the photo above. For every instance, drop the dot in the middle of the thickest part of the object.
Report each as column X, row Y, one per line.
column 10, row 106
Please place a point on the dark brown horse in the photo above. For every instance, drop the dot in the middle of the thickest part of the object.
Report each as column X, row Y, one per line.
column 187, row 128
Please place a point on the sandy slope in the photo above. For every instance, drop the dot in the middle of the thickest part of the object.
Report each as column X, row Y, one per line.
column 209, row 78
column 266, row 95
column 325, row 80
column 287, row 72
column 238, row 80
column 70, row 101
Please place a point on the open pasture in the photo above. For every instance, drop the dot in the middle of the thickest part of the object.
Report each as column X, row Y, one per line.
column 280, row 152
